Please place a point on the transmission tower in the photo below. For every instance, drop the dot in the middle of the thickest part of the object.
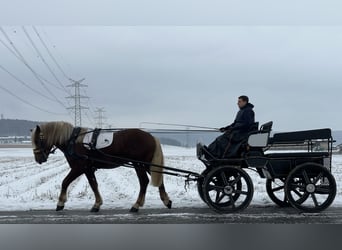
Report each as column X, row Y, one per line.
column 77, row 98
column 99, row 117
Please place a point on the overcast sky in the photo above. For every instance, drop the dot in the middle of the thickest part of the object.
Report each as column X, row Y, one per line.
column 161, row 71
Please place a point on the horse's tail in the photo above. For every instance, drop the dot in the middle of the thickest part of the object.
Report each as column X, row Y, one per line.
column 156, row 171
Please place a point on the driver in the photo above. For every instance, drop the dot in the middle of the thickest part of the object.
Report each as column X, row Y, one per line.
column 226, row 145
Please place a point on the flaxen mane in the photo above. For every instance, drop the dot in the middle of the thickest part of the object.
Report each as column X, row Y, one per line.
column 56, row 133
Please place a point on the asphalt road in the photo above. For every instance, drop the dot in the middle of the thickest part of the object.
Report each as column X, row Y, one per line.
column 253, row 214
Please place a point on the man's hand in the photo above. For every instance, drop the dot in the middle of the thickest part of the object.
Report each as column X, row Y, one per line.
column 226, row 129
column 223, row 129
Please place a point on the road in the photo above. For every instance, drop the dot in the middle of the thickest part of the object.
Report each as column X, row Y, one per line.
column 253, row 214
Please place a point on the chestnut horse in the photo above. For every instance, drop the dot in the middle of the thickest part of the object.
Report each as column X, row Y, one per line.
column 130, row 146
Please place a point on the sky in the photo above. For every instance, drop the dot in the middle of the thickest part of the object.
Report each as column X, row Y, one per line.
column 147, row 67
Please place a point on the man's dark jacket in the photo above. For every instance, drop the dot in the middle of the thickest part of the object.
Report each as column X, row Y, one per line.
column 244, row 119
column 227, row 145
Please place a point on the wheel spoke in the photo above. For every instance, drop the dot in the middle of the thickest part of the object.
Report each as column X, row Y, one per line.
column 214, row 187
column 232, row 200
column 297, row 193
column 277, row 188
column 303, row 198
column 237, row 178
column 318, row 178
column 224, row 178
column 322, row 190
column 241, row 192
column 219, row 197
column 306, row 177
column 297, row 185
column 313, row 196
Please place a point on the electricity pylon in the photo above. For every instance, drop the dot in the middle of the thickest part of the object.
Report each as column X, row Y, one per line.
column 77, row 100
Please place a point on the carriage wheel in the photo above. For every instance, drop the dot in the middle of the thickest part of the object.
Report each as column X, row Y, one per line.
column 275, row 190
column 200, row 183
column 227, row 189
column 201, row 189
column 310, row 187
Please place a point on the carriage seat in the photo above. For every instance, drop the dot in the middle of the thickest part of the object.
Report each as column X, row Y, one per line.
column 260, row 138
column 255, row 138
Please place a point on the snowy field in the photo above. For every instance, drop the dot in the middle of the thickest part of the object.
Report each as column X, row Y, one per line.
column 26, row 185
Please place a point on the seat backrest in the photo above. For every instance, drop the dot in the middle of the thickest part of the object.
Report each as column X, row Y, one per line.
column 266, row 127
column 260, row 139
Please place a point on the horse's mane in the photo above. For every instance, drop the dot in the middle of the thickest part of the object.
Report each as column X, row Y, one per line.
column 56, row 133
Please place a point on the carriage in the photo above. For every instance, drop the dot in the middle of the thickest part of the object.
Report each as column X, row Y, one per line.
column 296, row 165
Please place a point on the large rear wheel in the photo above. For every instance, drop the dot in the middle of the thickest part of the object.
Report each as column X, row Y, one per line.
column 227, row 189
column 310, row 187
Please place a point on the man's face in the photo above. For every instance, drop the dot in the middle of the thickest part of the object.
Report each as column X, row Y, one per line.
column 241, row 103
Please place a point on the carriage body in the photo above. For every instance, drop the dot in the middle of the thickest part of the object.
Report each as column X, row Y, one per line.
column 296, row 165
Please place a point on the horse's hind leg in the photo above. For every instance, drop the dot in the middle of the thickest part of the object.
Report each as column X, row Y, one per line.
column 94, row 186
column 143, row 181
column 72, row 175
column 164, row 197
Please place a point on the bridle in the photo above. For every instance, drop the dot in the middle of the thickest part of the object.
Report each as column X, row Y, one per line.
column 41, row 148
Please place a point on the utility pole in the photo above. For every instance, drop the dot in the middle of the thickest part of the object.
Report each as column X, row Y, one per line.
column 99, row 117
column 77, row 98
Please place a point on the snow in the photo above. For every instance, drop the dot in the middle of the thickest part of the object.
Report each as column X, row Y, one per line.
column 26, row 185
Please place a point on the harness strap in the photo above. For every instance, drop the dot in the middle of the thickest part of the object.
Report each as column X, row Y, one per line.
column 72, row 141
column 93, row 141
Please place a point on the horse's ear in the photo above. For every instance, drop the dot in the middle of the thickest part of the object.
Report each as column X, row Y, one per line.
column 37, row 129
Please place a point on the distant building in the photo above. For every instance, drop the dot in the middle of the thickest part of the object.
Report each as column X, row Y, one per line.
column 15, row 140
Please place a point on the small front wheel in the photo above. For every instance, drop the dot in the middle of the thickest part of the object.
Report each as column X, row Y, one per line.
column 200, row 183
column 310, row 187
column 228, row 189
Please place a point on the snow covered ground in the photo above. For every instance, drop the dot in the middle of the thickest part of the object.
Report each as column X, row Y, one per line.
column 26, row 185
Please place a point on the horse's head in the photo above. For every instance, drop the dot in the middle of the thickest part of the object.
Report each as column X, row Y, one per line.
column 41, row 149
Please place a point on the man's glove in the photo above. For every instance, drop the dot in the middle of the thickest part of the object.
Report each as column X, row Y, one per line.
column 225, row 129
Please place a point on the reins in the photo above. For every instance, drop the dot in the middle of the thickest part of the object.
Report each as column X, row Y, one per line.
column 126, row 162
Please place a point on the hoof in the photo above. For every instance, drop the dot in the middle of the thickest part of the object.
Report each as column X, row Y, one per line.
column 169, row 205
column 134, row 210
column 59, row 208
column 94, row 210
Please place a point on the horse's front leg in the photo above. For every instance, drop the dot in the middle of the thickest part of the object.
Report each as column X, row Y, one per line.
column 90, row 173
column 72, row 175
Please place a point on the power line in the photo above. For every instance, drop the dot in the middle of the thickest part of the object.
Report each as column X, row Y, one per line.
column 22, row 59
column 49, row 52
column 42, row 58
column 27, row 102
column 25, row 84
column 59, row 53
column 40, row 76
